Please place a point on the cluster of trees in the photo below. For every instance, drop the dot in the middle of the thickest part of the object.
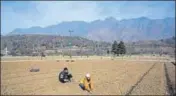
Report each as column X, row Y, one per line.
column 118, row 49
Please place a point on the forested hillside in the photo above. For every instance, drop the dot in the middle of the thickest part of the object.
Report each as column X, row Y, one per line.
column 29, row 44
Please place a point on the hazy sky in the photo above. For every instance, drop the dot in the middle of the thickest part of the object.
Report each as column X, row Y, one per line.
column 25, row 14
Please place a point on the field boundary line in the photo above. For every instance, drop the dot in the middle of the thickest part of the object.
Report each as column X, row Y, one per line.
column 22, row 60
column 165, row 81
column 83, row 59
column 139, row 80
column 168, row 85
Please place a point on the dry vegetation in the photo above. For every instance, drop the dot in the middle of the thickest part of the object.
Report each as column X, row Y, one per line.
column 110, row 77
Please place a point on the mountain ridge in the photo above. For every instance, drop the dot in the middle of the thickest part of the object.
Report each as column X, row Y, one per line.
column 109, row 29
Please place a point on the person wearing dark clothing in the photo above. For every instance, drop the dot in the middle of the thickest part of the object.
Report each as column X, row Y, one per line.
column 65, row 76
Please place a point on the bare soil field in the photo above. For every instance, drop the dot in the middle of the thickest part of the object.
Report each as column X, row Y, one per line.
column 110, row 77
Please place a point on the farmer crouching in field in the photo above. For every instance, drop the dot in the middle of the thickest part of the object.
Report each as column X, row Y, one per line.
column 65, row 76
column 86, row 83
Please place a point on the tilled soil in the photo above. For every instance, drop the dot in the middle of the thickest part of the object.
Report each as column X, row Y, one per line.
column 152, row 83
column 110, row 77
column 170, row 78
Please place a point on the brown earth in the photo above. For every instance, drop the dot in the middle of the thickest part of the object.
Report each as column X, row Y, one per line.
column 110, row 77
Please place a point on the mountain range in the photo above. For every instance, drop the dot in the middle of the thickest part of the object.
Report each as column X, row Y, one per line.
column 109, row 29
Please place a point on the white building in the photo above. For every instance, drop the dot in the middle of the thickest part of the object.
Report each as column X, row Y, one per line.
column 5, row 52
